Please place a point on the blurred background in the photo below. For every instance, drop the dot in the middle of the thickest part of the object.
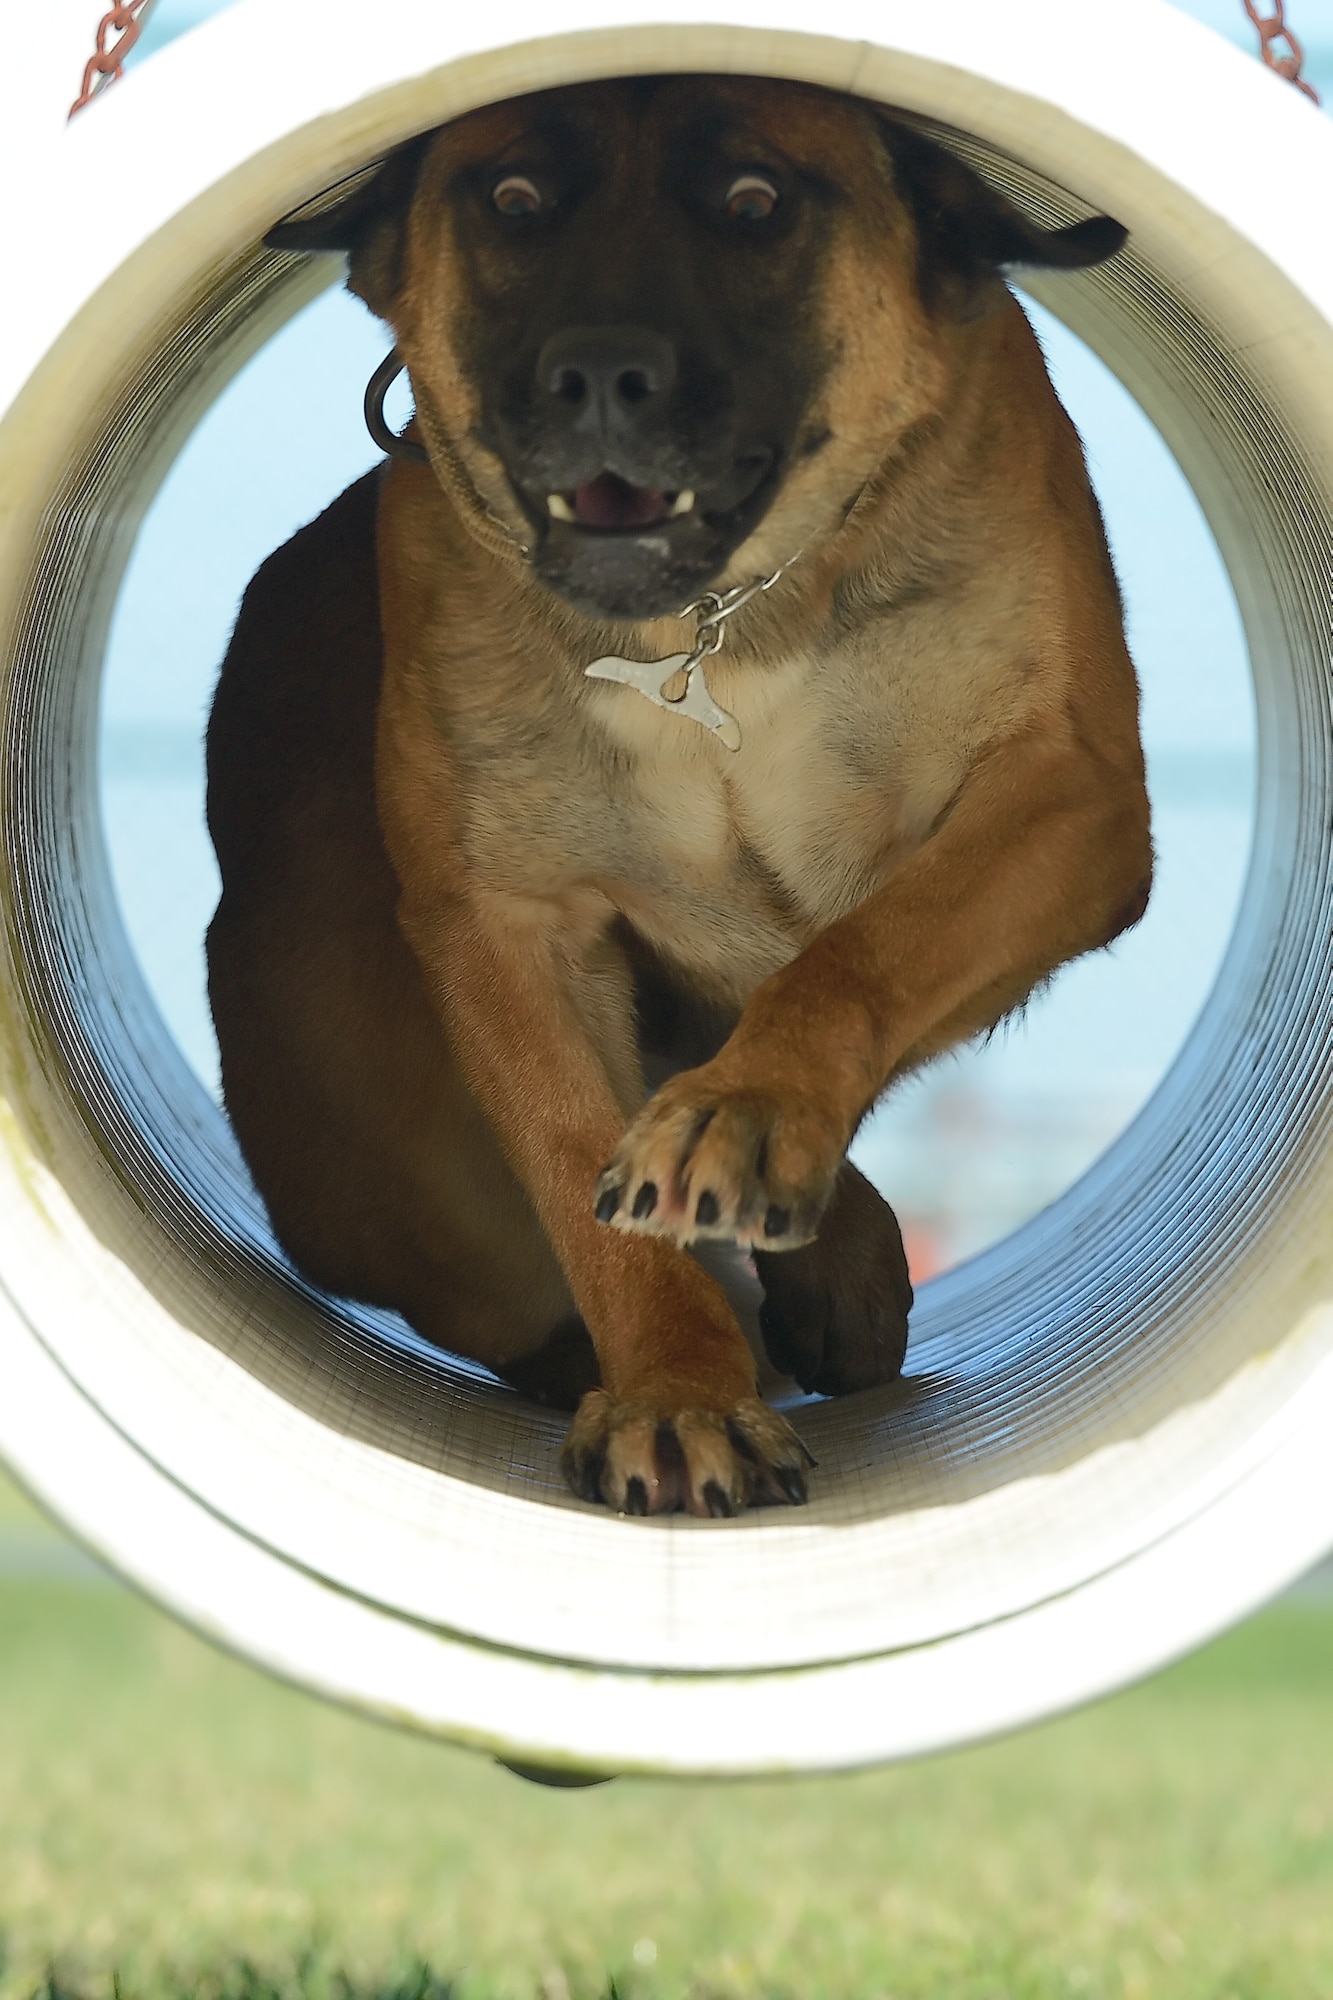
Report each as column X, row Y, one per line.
column 172, row 1823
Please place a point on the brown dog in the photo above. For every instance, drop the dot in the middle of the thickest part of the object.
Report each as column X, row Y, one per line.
column 665, row 336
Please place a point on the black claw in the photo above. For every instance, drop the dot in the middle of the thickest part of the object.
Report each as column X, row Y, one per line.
column 645, row 1201
column 636, row 1496
column 777, row 1221
column 792, row 1482
column 608, row 1201
column 717, row 1502
column 707, row 1209
column 666, row 1444
column 588, row 1477
column 740, row 1444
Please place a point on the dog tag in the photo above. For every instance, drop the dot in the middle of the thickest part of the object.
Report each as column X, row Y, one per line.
column 651, row 676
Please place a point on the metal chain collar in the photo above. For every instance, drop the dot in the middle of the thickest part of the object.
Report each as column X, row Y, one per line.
column 716, row 606
column 678, row 683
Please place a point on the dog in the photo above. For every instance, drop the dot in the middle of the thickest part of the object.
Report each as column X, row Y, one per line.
column 526, row 977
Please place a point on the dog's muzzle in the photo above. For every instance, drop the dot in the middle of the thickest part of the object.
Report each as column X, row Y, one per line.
column 629, row 469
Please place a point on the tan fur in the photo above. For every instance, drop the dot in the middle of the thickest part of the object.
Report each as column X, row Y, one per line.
column 939, row 798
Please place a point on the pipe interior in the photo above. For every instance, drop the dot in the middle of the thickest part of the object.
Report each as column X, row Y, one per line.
column 1089, row 1324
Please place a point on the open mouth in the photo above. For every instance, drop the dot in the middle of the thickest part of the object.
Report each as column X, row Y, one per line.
column 610, row 504
column 616, row 549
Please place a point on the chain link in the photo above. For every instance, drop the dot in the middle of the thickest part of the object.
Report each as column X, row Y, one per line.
column 1273, row 32
column 108, row 59
column 715, row 607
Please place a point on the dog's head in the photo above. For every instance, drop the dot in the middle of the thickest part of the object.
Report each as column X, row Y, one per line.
column 663, row 318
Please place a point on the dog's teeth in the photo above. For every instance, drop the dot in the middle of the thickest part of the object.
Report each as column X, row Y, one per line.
column 559, row 508
column 682, row 504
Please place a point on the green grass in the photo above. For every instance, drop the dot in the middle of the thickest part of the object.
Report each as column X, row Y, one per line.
column 16, row 1510
column 171, row 1823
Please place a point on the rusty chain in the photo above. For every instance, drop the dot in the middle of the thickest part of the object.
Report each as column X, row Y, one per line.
column 1278, row 47
column 107, row 61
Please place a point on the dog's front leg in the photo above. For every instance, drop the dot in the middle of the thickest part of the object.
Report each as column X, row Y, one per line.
column 677, row 1422
column 1045, row 854
column 539, row 1014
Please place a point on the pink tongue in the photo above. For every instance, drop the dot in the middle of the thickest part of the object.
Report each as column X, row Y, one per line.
column 611, row 502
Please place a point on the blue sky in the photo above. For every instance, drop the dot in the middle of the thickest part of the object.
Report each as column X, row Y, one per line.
column 288, row 436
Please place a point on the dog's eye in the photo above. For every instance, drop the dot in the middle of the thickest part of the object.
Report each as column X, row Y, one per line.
column 750, row 198
column 516, row 195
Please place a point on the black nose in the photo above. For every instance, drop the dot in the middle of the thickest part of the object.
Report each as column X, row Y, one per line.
column 609, row 375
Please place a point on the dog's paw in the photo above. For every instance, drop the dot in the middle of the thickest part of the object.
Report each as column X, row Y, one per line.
column 834, row 1315
column 646, row 1458
column 755, row 1167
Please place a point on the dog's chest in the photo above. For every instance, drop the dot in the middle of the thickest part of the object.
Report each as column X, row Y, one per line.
column 728, row 861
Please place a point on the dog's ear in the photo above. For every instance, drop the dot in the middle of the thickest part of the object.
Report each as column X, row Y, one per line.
column 968, row 231
column 368, row 224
